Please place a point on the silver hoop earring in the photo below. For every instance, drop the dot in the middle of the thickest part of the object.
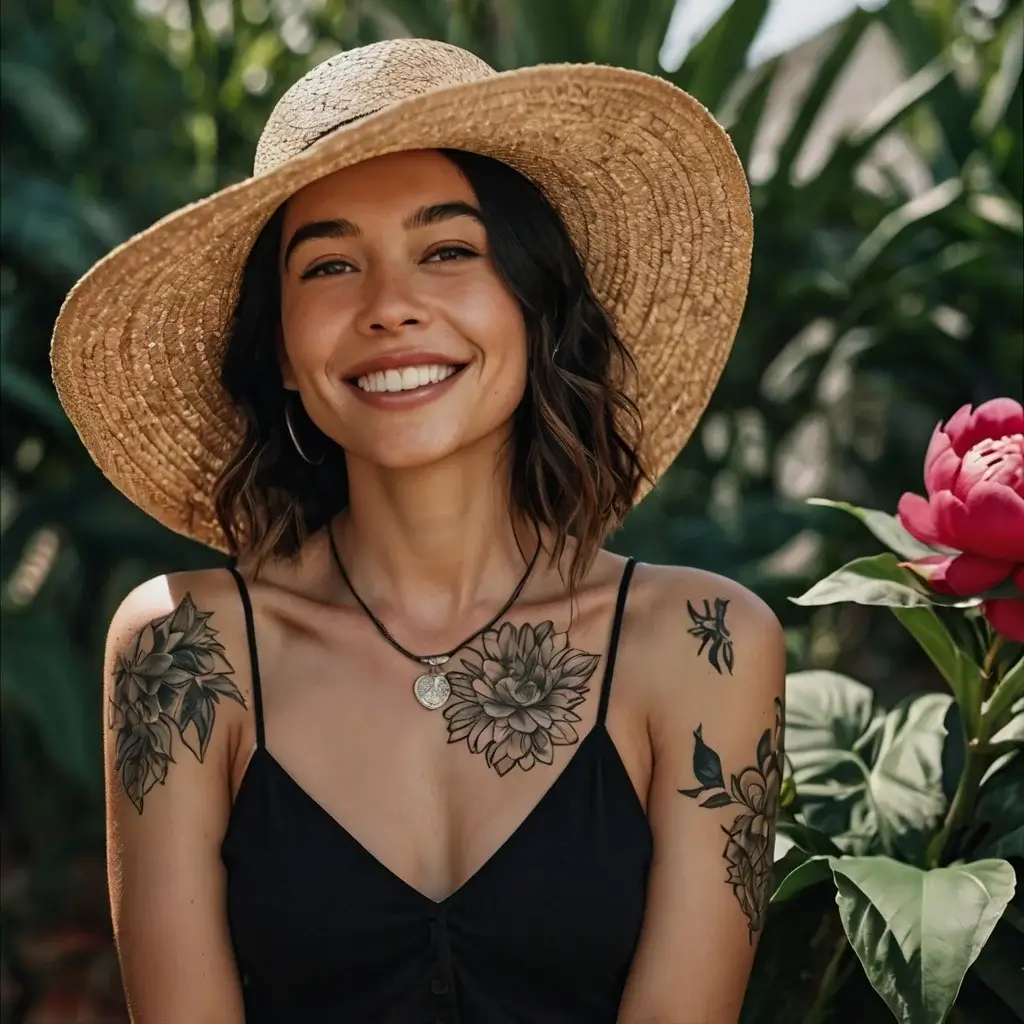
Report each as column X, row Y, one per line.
column 295, row 440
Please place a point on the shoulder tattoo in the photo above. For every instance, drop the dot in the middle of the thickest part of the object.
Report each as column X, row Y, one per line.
column 171, row 673
column 709, row 627
column 514, row 702
column 755, row 793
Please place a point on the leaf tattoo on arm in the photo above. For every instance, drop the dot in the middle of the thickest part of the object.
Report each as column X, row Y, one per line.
column 755, row 791
column 172, row 673
column 710, row 628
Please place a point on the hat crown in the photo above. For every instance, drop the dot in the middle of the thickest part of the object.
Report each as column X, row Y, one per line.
column 354, row 83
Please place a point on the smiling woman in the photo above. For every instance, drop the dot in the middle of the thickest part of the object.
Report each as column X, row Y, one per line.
column 410, row 376
column 448, row 260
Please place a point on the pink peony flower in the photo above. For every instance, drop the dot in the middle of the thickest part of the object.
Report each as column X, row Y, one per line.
column 974, row 476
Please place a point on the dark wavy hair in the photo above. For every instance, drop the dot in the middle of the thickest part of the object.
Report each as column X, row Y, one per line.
column 575, row 463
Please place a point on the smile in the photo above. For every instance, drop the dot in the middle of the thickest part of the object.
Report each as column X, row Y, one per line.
column 406, row 378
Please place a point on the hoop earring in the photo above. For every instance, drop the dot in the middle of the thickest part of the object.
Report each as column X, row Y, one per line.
column 295, row 440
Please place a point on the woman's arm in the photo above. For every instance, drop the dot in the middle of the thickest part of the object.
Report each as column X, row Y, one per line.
column 173, row 711
column 716, row 730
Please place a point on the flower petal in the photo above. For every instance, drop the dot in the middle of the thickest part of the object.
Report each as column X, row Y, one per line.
column 1006, row 616
column 941, row 463
column 996, row 418
column 1018, row 577
column 955, row 426
column 918, row 518
column 968, row 575
column 933, row 568
column 991, row 522
column 522, row 721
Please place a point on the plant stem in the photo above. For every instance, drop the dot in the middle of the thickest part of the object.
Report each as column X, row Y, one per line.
column 989, row 663
column 978, row 756
column 831, row 979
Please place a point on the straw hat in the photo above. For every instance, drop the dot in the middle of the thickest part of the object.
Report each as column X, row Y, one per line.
column 647, row 183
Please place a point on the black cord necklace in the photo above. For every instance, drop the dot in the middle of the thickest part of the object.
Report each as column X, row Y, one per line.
column 432, row 688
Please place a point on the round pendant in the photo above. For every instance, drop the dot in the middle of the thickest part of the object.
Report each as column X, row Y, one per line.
column 432, row 690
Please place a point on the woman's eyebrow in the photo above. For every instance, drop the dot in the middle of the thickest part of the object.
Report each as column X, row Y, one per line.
column 341, row 228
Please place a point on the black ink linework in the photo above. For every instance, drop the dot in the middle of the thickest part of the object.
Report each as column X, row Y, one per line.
column 172, row 672
column 514, row 703
column 756, row 790
column 710, row 628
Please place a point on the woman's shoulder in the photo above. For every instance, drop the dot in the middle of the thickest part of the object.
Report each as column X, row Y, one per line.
column 701, row 636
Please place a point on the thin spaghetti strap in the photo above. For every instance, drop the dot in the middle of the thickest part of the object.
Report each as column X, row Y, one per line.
column 613, row 645
column 254, row 663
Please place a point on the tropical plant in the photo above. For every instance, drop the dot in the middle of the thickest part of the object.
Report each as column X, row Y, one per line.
column 914, row 814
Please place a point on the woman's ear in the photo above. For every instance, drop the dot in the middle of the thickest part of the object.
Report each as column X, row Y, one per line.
column 287, row 374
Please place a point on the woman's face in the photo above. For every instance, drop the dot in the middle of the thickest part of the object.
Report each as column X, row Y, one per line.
column 396, row 328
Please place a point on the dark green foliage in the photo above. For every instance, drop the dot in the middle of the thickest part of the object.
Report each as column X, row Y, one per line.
column 873, row 313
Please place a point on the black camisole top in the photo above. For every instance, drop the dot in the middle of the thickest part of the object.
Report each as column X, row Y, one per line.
column 543, row 933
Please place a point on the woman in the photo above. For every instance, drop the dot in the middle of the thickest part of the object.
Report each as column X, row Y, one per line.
column 411, row 374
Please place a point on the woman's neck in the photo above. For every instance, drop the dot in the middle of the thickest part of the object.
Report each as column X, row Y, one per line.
column 436, row 544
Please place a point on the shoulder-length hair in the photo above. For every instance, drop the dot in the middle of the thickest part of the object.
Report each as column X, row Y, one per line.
column 575, row 463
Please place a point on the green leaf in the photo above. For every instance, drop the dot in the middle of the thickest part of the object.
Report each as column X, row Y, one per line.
column 811, row 840
column 914, row 212
column 810, row 872
column 815, row 95
column 996, row 711
column 825, row 712
column 1000, row 812
column 717, row 60
column 41, row 678
column 888, row 529
column 906, row 778
column 962, row 674
column 874, row 580
column 831, row 729
column 917, row 932
column 999, row 965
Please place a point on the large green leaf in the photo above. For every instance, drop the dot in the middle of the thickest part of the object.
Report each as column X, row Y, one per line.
column 874, row 580
column 857, row 770
column 917, row 932
column 888, row 529
column 831, row 729
column 811, row 872
column 906, row 778
column 957, row 668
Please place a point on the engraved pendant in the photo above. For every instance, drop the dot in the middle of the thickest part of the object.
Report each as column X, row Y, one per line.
column 432, row 689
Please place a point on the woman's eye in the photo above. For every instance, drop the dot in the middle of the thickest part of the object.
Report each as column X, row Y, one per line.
column 450, row 252
column 329, row 268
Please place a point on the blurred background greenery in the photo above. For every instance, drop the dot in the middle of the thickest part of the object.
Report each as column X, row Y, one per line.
column 886, row 154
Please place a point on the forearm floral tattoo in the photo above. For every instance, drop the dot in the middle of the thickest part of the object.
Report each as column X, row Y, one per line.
column 710, row 628
column 514, row 703
column 755, row 791
column 172, row 673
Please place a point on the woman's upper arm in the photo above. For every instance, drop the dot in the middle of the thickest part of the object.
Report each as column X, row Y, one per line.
column 716, row 739
column 173, row 707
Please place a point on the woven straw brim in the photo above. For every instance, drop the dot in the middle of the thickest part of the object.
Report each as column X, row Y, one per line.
column 645, row 180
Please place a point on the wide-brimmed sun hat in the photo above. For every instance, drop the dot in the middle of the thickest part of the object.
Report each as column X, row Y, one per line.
column 647, row 183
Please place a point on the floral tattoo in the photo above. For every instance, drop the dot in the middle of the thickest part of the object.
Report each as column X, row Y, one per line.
column 172, row 672
column 514, row 703
column 710, row 628
column 755, row 791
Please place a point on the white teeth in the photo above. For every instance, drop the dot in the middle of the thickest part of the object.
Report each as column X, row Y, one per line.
column 405, row 379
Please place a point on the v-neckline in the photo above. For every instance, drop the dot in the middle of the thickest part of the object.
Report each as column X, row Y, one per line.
column 584, row 746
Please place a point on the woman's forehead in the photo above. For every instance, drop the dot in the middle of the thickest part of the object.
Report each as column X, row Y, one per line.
column 387, row 183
